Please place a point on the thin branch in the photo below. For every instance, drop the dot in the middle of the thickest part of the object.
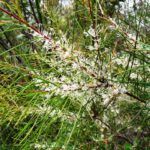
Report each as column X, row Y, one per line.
column 25, row 23
column 135, row 97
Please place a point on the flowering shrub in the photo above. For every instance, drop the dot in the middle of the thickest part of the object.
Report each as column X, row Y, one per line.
column 66, row 87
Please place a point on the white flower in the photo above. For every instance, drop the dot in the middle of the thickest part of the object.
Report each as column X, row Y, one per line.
column 115, row 91
column 132, row 36
column 85, row 33
column 45, row 33
column 113, row 110
column 63, row 78
column 47, row 44
column 53, row 113
column 91, row 48
column 96, row 45
column 122, row 90
column 136, row 63
column 41, row 3
column 133, row 75
column 117, row 111
column 74, row 86
column 20, row 36
column 43, row 109
column 64, row 39
column 102, row 129
column 74, row 65
column 106, row 101
column 67, row 54
column 65, row 87
column 58, row 91
column 48, row 89
column 102, row 136
column 43, row 146
column 91, row 32
column 38, row 35
column 113, row 21
column 38, row 82
column 37, row 146
column 47, row 96
column 112, row 27
column 58, row 43
column 85, row 88
column 118, row 61
column 105, row 96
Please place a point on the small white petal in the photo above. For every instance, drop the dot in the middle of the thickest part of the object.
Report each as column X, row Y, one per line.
column 91, row 32
column 133, row 75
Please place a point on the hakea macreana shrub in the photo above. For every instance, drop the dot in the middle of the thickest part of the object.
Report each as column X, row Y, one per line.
column 101, row 79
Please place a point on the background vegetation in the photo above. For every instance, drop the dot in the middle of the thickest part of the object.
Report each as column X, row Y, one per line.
column 74, row 76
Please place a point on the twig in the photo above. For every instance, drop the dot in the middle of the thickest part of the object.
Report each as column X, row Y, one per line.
column 135, row 97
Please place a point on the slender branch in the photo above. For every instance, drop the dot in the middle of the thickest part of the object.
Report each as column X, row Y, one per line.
column 24, row 22
column 135, row 97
